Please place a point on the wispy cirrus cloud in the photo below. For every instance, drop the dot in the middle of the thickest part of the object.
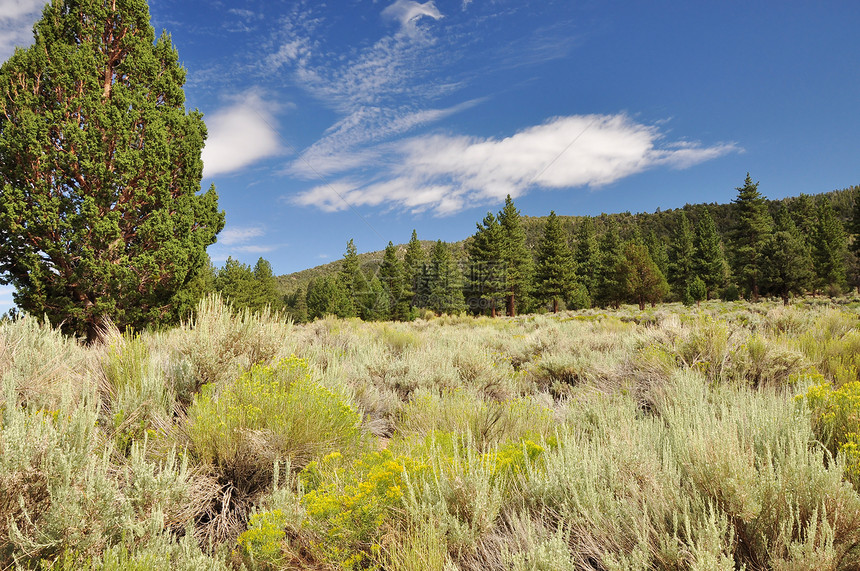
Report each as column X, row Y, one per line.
column 378, row 92
column 16, row 22
column 408, row 12
column 240, row 134
column 445, row 173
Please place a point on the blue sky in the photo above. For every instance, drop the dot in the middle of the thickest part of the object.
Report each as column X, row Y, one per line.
column 366, row 119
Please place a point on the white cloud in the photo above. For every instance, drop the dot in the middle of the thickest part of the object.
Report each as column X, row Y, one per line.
column 16, row 22
column 12, row 9
column 239, row 235
column 446, row 173
column 333, row 153
column 408, row 12
column 6, row 297
column 240, row 135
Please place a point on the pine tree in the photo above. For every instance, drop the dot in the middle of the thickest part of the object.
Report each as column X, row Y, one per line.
column 445, row 281
column 682, row 253
column 100, row 171
column 788, row 260
column 328, row 296
column 751, row 234
column 587, row 256
column 352, row 278
column 658, row 251
column 267, row 293
column 555, row 277
column 413, row 262
column 829, row 251
column 391, row 276
column 854, row 223
column 235, row 283
column 709, row 262
column 610, row 287
column 640, row 278
column 517, row 258
column 487, row 273
column 804, row 215
column 296, row 305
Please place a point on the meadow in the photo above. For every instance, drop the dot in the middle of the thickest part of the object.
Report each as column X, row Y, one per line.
column 725, row 436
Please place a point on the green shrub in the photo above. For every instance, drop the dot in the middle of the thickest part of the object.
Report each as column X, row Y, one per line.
column 350, row 505
column 270, row 413
column 489, row 422
column 220, row 343
column 836, row 422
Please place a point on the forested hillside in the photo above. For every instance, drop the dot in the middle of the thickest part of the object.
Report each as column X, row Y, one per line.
column 748, row 248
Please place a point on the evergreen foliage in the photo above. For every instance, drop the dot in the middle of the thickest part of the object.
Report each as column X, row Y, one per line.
column 610, row 286
column 487, row 275
column 640, row 277
column 445, row 282
column 587, row 256
column 788, row 259
column 391, row 277
column 516, row 257
column 682, row 256
column 247, row 288
column 709, row 262
column 100, row 170
column 659, row 253
column 413, row 262
column 555, row 276
column 697, row 291
column 328, row 296
column 829, row 251
column 751, row 234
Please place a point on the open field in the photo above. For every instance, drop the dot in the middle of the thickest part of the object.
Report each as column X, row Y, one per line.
column 719, row 437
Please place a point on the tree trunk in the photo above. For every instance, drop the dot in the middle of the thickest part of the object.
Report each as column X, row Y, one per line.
column 555, row 306
column 512, row 309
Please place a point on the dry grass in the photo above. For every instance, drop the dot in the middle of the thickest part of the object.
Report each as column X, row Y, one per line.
column 665, row 439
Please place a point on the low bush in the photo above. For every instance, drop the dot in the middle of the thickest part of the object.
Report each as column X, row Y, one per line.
column 270, row 413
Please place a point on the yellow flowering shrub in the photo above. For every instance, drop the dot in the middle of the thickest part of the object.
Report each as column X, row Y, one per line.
column 261, row 542
column 350, row 504
column 271, row 412
column 836, row 421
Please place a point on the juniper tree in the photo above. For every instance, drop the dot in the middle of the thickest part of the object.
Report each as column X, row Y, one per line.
column 639, row 277
column 100, row 168
column 750, row 235
column 555, row 276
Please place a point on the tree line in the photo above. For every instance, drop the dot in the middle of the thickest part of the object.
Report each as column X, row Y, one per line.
column 514, row 264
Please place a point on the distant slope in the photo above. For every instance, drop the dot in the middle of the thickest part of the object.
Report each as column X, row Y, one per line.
column 662, row 222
